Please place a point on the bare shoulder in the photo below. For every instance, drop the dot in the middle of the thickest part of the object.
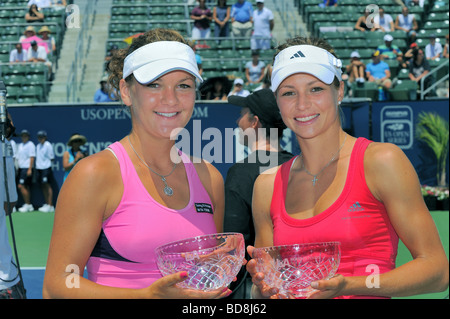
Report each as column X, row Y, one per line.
column 383, row 155
column 97, row 166
column 388, row 170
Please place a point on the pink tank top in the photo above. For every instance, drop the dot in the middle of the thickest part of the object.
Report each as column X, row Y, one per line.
column 124, row 255
column 356, row 219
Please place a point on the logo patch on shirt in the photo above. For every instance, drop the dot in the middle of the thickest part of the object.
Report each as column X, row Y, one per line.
column 203, row 208
column 356, row 207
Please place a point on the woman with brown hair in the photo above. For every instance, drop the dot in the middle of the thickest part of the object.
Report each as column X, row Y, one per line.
column 118, row 205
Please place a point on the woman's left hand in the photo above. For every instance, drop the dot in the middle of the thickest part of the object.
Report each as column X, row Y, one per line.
column 327, row 289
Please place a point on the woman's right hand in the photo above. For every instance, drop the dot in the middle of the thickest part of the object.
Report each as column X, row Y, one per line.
column 166, row 288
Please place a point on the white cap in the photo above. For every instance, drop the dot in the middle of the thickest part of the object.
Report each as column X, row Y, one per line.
column 388, row 37
column 305, row 59
column 355, row 54
column 262, row 1
column 239, row 81
column 158, row 58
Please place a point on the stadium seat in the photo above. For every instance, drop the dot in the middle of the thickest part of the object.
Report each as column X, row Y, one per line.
column 368, row 89
column 404, row 90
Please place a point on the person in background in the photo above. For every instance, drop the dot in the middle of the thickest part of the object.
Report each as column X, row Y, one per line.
column 44, row 33
column 33, row 15
column 407, row 22
column 74, row 153
column 312, row 197
column 263, row 23
column 103, row 94
column 18, row 54
column 419, row 67
column 362, row 23
column 390, row 51
column 254, row 69
column 260, row 130
column 241, row 19
column 44, row 172
column 379, row 72
column 106, row 194
column 26, row 155
column 202, row 17
column 328, row 3
column 221, row 17
column 433, row 50
column 445, row 53
column 356, row 68
column 383, row 22
column 238, row 88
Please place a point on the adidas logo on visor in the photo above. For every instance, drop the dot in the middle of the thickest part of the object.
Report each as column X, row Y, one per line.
column 299, row 54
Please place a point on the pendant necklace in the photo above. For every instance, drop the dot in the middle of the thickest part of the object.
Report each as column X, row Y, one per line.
column 315, row 179
column 167, row 189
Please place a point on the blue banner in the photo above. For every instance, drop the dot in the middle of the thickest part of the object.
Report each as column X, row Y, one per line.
column 214, row 125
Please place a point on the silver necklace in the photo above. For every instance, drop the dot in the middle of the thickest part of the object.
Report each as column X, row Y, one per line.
column 315, row 179
column 167, row 189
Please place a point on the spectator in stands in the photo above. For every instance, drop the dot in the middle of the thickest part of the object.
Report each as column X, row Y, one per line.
column 356, row 68
column 328, row 3
column 44, row 34
column 407, row 57
column 37, row 53
column 29, row 35
column 29, row 32
column 407, row 22
column 26, row 154
column 218, row 92
column 445, row 51
column 40, row 3
column 44, row 173
column 362, row 24
column 33, row 15
column 198, row 58
column 59, row 3
column 433, row 50
column 390, row 51
column 238, row 88
column 241, row 19
column 263, row 24
column 419, row 67
column 378, row 71
column 18, row 54
column 254, row 69
column 202, row 17
column 104, row 94
column 221, row 17
column 383, row 22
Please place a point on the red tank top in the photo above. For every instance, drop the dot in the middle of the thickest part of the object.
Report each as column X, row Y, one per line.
column 356, row 219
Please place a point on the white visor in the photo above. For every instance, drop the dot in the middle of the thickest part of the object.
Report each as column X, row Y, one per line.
column 156, row 59
column 305, row 59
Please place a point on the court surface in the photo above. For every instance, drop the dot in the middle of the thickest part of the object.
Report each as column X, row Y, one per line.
column 33, row 232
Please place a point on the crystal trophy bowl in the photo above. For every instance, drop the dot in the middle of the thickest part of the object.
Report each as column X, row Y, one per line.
column 211, row 261
column 292, row 268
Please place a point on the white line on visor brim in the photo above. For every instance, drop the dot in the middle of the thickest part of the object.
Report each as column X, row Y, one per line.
column 153, row 60
column 306, row 59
